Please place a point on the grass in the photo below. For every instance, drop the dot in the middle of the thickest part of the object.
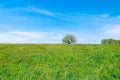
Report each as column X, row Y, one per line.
column 59, row 62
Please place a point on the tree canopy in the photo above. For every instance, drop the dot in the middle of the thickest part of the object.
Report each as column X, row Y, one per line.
column 69, row 39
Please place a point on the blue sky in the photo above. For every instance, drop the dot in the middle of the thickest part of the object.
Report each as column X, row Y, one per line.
column 47, row 21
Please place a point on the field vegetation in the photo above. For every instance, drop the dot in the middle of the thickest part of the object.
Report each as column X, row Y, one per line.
column 59, row 62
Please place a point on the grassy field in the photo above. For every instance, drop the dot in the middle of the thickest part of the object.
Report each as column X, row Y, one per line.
column 59, row 62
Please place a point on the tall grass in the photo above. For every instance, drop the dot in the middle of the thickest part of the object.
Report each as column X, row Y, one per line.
column 59, row 62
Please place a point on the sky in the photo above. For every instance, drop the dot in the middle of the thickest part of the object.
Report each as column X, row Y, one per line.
column 48, row 21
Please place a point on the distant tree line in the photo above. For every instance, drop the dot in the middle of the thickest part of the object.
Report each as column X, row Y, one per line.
column 110, row 41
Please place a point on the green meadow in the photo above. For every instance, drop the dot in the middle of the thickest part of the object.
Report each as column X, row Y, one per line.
column 59, row 62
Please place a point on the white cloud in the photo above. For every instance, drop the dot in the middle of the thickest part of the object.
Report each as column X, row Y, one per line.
column 30, row 9
column 30, row 37
column 9, row 38
column 39, row 10
column 28, row 34
column 113, row 31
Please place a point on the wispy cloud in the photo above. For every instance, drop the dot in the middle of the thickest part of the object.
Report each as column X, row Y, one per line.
column 30, row 9
column 28, row 34
column 40, row 11
column 10, row 38
column 30, row 37
column 113, row 31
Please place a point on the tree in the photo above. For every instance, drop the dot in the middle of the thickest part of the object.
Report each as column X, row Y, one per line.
column 110, row 41
column 69, row 39
column 104, row 41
